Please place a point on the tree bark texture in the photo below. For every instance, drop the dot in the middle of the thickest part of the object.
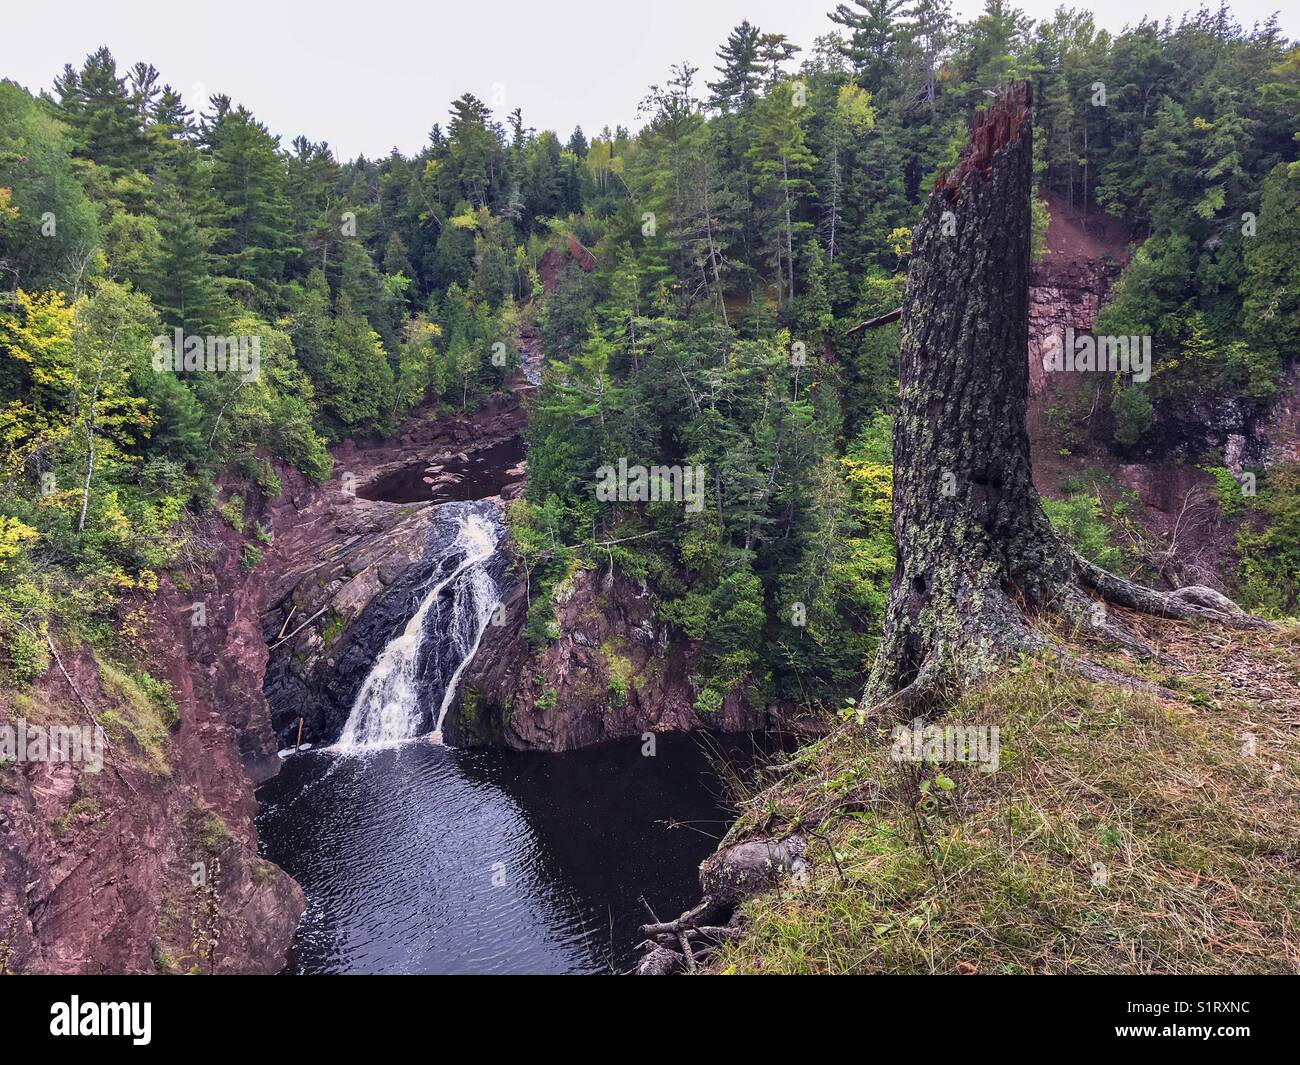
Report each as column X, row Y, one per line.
column 976, row 554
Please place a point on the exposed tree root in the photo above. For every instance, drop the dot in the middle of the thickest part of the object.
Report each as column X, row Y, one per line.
column 726, row 879
column 690, row 921
column 1089, row 670
column 977, row 647
column 681, row 945
column 918, row 697
column 1089, row 616
column 1194, row 601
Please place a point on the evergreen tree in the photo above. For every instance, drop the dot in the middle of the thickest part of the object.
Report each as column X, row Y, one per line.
column 107, row 123
column 739, row 70
column 248, row 178
column 874, row 28
column 782, row 162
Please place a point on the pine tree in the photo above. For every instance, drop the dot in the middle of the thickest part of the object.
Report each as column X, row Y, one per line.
column 926, row 30
column 852, row 117
column 184, row 289
column 107, row 124
column 474, row 166
column 782, row 162
column 248, row 178
column 874, row 27
column 774, row 51
column 1271, row 288
column 578, row 143
column 739, row 71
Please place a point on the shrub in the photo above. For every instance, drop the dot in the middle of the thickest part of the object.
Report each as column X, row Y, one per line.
column 268, row 481
column 1270, row 562
column 1232, row 500
column 232, row 512
column 1079, row 521
column 1131, row 409
column 26, row 656
column 709, row 701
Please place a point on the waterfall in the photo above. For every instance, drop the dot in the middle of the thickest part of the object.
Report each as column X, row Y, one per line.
column 426, row 659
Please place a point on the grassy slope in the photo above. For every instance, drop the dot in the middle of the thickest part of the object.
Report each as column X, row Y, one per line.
column 1120, row 833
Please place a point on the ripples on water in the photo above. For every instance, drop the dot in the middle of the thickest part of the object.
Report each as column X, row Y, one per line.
column 398, row 850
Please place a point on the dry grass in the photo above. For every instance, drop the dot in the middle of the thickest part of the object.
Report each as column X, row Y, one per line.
column 1119, row 833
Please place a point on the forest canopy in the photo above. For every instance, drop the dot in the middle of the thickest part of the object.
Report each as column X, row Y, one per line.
column 694, row 288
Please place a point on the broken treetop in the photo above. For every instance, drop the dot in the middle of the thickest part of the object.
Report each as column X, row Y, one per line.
column 992, row 129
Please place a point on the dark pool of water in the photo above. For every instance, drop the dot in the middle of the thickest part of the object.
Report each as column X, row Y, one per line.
column 425, row 859
column 482, row 473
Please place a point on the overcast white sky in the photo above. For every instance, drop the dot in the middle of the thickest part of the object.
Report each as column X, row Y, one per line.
column 370, row 75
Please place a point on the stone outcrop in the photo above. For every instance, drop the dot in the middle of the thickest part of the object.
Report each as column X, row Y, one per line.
column 1279, row 432
column 1061, row 296
column 1067, row 290
column 615, row 671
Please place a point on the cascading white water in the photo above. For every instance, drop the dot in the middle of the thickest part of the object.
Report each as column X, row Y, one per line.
column 388, row 709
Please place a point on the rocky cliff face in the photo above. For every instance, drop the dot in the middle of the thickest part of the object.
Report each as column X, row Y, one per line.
column 616, row 671
column 1083, row 258
column 150, row 864
column 1063, row 295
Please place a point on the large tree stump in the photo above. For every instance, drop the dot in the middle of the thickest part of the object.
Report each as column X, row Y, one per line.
column 976, row 552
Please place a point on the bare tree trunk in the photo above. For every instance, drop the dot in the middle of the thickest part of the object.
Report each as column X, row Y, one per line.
column 975, row 550
column 217, row 424
column 713, row 249
column 90, row 456
column 789, row 232
column 835, row 196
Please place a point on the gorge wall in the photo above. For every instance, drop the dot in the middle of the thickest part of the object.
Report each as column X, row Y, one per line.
column 1069, row 421
column 150, row 864
column 615, row 672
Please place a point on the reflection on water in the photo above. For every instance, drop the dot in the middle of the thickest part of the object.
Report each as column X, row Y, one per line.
column 424, row 859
